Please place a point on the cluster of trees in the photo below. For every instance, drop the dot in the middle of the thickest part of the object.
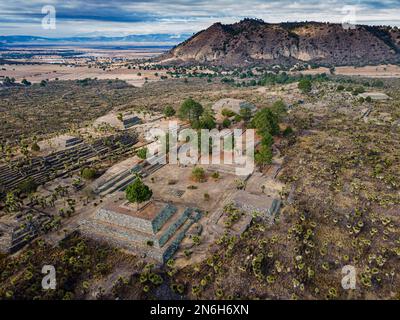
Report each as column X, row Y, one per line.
column 244, row 115
column 375, row 83
column 355, row 91
column 8, row 81
column 195, row 113
column 285, row 78
column 272, row 78
column 203, row 118
column 266, row 122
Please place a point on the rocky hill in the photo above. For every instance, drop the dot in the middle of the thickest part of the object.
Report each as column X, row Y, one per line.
column 256, row 42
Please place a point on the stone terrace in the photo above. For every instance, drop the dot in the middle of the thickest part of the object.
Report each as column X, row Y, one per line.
column 43, row 169
column 154, row 230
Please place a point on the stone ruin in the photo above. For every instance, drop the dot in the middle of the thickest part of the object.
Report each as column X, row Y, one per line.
column 267, row 208
column 43, row 169
column 155, row 230
column 131, row 121
column 127, row 121
column 234, row 105
column 21, row 228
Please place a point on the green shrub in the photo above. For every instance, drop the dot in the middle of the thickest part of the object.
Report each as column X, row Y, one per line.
column 228, row 113
column 226, row 123
column 169, row 111
column 88, row 173
column 245, row 114
column 27, row 186
column 288, row 131
column 35, row 147
column 198, row 174
column 305, row 85
column 142, row 153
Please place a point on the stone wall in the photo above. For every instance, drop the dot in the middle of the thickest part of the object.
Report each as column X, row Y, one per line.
column 124, row 220
column 126, row 234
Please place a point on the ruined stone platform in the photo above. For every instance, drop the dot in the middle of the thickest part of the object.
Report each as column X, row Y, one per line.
column 154, row 230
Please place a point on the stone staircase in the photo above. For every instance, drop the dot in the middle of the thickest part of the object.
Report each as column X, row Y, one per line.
column 121, row 181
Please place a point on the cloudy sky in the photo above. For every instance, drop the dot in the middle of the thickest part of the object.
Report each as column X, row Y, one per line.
column 123, row 17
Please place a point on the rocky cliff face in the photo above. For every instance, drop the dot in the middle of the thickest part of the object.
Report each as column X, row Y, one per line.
column 256, row 42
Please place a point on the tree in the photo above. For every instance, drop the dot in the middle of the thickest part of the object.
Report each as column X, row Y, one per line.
column 263, row 156
column 288, row 131
column 245, row 114
column 237, row 118
column 267, row 140
column 190, row 110
column 169, row 111
column 279, row 108
column 305, row 85
column 138, row 192
column 226, row 123
column 265, row 121
column 26, row 82
column 206, row 121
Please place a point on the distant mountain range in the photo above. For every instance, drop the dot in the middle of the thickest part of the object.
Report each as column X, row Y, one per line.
column 254, row 42
column 161, row 39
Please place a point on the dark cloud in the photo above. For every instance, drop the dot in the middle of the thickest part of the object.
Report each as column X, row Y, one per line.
column 164, row 16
